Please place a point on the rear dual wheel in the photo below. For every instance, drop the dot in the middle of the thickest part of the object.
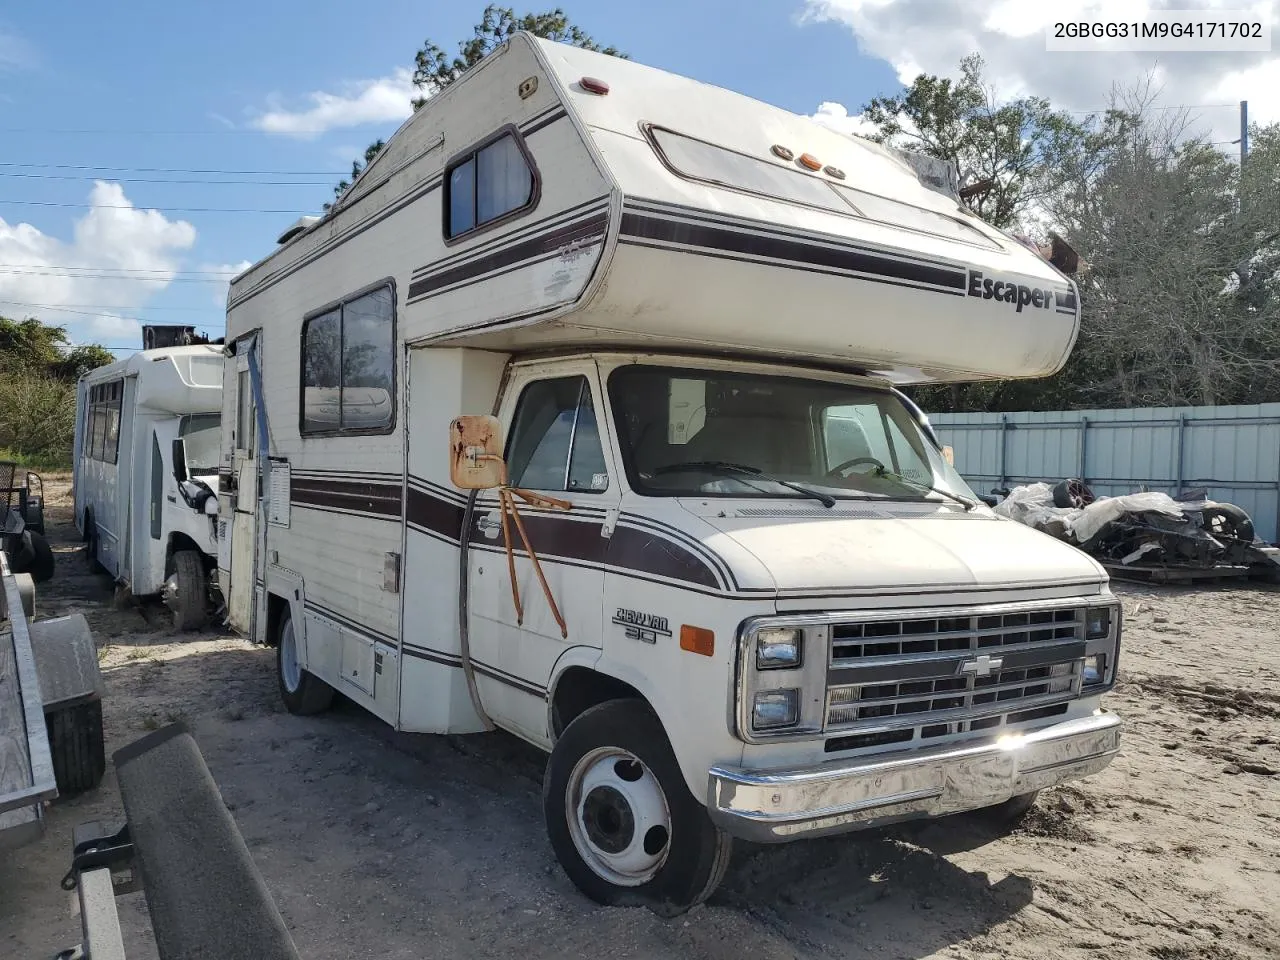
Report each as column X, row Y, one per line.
column 620, row 818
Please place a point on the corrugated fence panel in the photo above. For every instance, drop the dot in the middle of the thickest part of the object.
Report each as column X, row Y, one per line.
column 1234, row 452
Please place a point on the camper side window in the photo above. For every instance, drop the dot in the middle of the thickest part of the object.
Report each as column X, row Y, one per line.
column 555, row 440
column 487, row 184
column 348, row 361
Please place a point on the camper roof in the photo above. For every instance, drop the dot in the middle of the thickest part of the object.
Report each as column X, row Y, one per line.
column 177, row 380
column 729, row 224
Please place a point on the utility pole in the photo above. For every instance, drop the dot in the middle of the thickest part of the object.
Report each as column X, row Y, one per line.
column 1244, row 131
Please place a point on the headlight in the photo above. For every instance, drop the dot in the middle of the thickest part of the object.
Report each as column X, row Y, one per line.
column 1097, row 623
column 773, row 709
column 1095, row 669
column 777, row 649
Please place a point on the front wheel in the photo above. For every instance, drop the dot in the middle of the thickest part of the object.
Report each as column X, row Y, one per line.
column 303, row 693
column 186, row 592
column 620, row 818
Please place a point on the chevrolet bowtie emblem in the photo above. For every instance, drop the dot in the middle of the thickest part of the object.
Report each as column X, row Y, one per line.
column 983, row 666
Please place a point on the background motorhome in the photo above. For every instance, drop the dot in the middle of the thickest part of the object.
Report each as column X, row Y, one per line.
column 687, row 311
column 150, row 520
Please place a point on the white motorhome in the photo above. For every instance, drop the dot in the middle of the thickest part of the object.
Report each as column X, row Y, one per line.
column 147, row 518
column 771, row 609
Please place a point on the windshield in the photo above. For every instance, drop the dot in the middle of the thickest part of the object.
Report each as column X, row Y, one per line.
column 202, row 434
column 690, row 431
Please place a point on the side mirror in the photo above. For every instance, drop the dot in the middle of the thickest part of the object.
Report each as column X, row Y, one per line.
column 475, row 453
column 180, row 460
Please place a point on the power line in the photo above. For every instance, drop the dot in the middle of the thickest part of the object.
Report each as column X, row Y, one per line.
column 220, row 322
column 132, row 133
column 128, row 206
column 259, row 173
column 160, row 270
column 274, row 183
column 113, row 277
column 101, row 307
column 1175, row 106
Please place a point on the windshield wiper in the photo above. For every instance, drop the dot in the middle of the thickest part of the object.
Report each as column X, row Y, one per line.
column 744, row 470
column 926, row 488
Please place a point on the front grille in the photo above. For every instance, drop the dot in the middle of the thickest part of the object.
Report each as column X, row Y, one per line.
column 928, row 677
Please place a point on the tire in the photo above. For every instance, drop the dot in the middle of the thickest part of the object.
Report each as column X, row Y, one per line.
column 1009, row 814
column 76, row 742
column 187, row 591
column 621, row 753
column 91, row 543
column 20, row 550
column 1072, row 494
column 42, row 565
column 1229, row 521
column 303, row 693
column 35, row 515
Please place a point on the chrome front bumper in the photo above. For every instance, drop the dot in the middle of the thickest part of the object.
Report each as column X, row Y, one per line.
column 775, row 806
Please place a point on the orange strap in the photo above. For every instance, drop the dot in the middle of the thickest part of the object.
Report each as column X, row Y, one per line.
column 507, row 495
column 511, row 513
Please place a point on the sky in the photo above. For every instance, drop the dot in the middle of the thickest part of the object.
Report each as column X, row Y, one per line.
column 150, row 150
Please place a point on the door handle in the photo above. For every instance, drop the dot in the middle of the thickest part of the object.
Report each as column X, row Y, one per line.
column 490, row 524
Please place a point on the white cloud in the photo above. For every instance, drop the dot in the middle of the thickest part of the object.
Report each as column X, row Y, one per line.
column 932, row 36
column 836, row 116
column 15, row 52
column 383, row 100
column 230, row 271
column 119, row 255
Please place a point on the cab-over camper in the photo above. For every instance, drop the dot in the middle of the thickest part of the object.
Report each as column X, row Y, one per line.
column 577, row 416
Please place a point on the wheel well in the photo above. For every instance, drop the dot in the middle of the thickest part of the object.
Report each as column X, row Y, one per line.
column 579, row 689
column 177, row 543
column 277, row 607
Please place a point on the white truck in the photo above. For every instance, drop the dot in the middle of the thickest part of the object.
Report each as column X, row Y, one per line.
column 146, row 460
column 689, row 537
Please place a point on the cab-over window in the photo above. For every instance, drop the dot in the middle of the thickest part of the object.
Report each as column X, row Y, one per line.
column 488, row 183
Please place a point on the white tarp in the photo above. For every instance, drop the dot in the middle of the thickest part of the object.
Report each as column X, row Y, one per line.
column 1033, row 505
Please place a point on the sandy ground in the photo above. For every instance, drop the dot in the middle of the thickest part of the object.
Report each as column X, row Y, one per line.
column 377, row 844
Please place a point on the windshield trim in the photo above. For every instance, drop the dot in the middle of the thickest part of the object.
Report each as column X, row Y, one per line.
column 639, row 487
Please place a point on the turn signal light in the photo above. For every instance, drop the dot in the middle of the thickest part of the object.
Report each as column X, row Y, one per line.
column 697, row 640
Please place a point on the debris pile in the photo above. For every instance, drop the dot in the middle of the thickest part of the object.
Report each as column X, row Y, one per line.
column 1146, row 536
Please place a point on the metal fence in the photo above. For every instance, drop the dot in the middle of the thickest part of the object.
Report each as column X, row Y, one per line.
column 1233, row 452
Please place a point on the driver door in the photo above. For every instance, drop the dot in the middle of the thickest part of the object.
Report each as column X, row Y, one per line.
column 555, row 446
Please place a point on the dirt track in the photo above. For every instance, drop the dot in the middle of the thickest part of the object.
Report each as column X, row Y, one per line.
column 378, row 844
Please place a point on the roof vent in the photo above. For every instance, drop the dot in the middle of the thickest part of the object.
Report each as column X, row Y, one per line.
column 301, row 225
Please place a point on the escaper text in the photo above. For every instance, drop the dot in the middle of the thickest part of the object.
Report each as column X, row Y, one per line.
column 988, row 289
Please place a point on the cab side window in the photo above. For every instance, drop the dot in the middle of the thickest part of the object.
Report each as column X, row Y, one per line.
column 555, row 439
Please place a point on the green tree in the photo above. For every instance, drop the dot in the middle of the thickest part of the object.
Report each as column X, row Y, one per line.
column 434, row 69
column 29, row 346
column 38, row 370
column 1013, row 150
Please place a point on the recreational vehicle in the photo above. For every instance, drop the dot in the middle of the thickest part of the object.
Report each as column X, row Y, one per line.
column 583, row 421
column 146, row 462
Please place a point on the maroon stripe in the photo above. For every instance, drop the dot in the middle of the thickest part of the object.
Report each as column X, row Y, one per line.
column 430, row 512
column 515, row 253
column 380, row 499
column 580, row 541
